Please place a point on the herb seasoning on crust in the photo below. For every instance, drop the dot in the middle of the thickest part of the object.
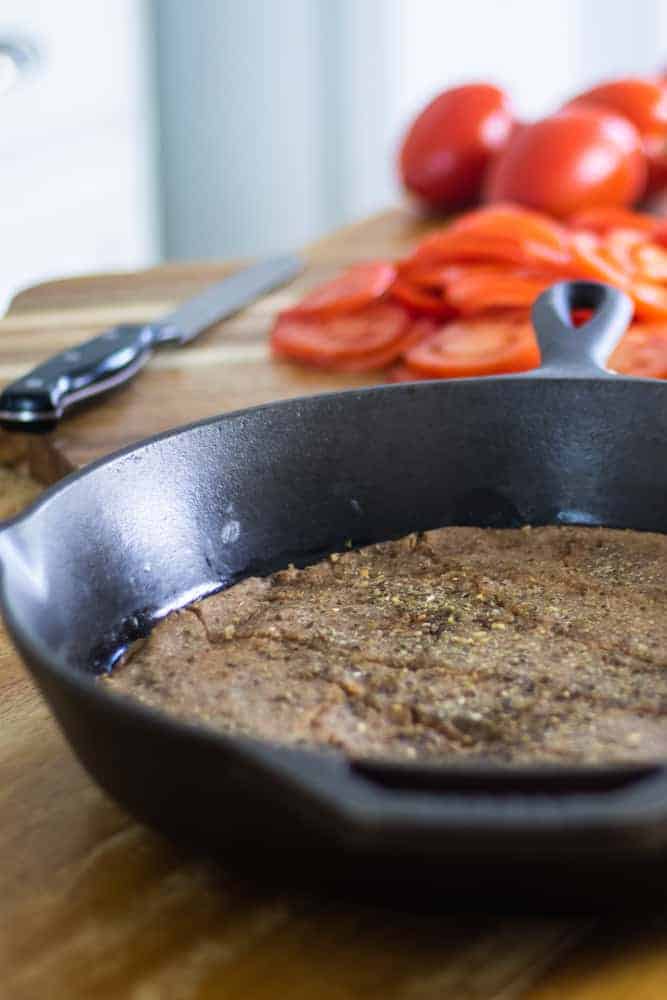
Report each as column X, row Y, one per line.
column 536, row 644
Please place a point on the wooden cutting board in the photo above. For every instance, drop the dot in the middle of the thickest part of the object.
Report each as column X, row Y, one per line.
column 226, row 368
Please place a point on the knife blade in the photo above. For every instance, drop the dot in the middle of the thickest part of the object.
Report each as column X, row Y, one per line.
column 203, row 310
column 36, row 402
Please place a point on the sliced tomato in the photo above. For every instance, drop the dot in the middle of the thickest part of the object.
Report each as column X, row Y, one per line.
column 477, row 292
column 477, row 346
column 513, row 221
column 417, row 331
column 642, row 351
column 326, row 341
column 446, row 246
column 401, row 373
column 618, row 248
column 588, row 262
column 650, row 299
column 353, row 289
column 604, row 218
column 441, row 276
column 651, row 261
column 427, row 274
column 422, row 298
column 452, row 246
column 366, row 340
column 581, row 316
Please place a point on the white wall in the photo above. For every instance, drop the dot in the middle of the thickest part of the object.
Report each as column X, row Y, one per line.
column 241, row 133
column 76, row 181
column 272, row 113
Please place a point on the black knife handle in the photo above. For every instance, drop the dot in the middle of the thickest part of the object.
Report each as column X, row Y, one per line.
column 36, row 402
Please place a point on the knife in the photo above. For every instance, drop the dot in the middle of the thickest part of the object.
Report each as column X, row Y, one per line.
column 36, row 402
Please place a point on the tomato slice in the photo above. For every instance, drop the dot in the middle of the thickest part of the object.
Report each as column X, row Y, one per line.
column 402, row 373
column 326, row 341
column 605, row 218
column 366, row 340
column 618, row 248
column 588, row 262
column 477, row 346
column 477, row 292
column 660, row 234
column 651, row 261
column 424, row 299
column 355, row 288
column 642, row 351
column 416, row 332
column 581, row 316
column 441, row 276
column 650, row 299
column 427, row 275
column 512, row 221
column 452, row 246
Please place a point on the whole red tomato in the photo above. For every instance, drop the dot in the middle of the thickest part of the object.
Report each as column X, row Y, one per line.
column 656, row 157
column 575, row 159
column 449, row 145
column 644, row 102
column 641, row 100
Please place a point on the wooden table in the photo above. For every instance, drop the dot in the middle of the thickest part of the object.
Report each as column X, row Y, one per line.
column 95, row 906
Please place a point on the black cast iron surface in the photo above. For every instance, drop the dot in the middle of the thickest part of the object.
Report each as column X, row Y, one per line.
column 109, row 550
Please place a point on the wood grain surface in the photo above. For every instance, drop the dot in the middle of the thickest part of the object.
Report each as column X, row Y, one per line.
column 93, row 905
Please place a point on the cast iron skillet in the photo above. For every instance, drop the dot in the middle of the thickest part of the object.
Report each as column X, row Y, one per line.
column 108, row 550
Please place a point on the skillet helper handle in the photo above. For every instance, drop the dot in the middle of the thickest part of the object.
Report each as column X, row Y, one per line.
column 36, row 402
column 583, row 350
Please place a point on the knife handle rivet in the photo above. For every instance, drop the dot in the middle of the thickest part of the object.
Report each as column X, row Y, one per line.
column 34, row 383
column 72, row 355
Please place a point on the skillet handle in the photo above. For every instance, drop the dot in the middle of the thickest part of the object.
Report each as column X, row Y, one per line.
column 583, row 350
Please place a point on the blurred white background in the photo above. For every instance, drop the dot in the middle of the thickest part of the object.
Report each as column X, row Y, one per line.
column 144, row 129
